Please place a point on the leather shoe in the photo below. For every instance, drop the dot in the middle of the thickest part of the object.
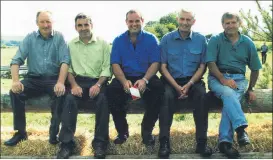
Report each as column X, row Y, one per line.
column 203, row 150
column 100, row 150
column 228, row 150
column 164, row 148
column 66, row 150
column 17, row 137
column 53, row 140
column 149, row 140
column 242, row 139
column 121, row 138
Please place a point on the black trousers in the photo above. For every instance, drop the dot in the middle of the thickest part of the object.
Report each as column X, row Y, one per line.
column 197, row 95
column 117, row 99
column 34, row 87
column 263, row 57
column 102, row 109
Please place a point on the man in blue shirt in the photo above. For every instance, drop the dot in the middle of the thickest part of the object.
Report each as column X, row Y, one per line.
column 182, row 67
column 48, row 58
column 264, row 50
column 135, row 60
column 228, row 53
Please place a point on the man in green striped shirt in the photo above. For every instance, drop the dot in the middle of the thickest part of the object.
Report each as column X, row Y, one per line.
column 88, row 75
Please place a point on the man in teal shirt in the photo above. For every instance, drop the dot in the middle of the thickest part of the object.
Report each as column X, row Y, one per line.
column 88, row 75
column 228, row 53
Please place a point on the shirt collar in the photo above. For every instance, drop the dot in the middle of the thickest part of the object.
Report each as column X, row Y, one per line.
column 241, row 39
column 177, row 35
column 38, row 33
column 93, row 39
column 139, row 36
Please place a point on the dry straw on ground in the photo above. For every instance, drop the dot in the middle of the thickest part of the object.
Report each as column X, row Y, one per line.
column 182, row 141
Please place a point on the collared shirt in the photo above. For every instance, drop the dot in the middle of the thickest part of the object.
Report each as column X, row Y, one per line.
column 135, row 61
column 91, row 59
column 264, row 48
column 44, row 56
column 233, row 57
column 183, row 57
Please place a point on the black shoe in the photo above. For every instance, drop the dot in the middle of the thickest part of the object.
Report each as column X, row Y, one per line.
column 100, row 150
column 66, row 150
column 242, row 139
column 121, row 138
column 53, row 140
column 149, row 140
column 17, row 137
column 203, row 150
column 164, row 148
column 228, row 150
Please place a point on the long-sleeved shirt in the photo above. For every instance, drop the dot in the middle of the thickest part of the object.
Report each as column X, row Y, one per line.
column 44, row 56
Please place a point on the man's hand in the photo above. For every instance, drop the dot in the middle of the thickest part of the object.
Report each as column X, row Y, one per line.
column 229, row 82
column 17, row 87
column 76, row 91
column 94, row 91
column 59, row 89
column 184, row 91
column 126, row 85
column 141, row 85
column 251, row 96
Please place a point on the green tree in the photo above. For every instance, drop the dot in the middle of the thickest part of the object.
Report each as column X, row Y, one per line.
column 165, row 24
column 258, row 29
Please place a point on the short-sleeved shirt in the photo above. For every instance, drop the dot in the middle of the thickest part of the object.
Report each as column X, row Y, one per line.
column 44, row 56
column 135, row 61
column 264, row 48
column 91, row 59
column 183, row 57
column 233, row 57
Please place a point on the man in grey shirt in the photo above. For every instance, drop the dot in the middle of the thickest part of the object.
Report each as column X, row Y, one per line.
column 48, row 59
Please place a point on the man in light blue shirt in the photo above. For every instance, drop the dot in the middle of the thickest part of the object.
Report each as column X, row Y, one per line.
column 48, row 58
column 182, row 67
column 264, row 50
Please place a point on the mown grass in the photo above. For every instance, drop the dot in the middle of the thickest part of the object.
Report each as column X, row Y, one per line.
column 182, row 135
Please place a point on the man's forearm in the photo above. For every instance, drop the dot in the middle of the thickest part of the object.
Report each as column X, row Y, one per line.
column 102, row 80
column 63, row 73
column 71, row 80
column 14, row 69
column 215, row 71
column 168, row 76
column 199, row 73
column 118, row 73
column 152, row 70
column 253, row 79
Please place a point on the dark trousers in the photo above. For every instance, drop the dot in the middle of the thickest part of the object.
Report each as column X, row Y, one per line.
column 263, row 57
column 117, row 99
column 34, row 87
column 197, row 96
column 102, row 110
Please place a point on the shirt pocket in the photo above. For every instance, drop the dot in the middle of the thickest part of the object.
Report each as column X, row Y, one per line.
column 173, row 56
column 194, row 56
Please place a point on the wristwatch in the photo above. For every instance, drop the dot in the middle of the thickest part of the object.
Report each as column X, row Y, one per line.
column 98, row 85
column 146, row 81
column 251, row 89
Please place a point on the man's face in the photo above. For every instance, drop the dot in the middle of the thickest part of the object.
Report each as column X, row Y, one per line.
column 231, row 25
column 134, row 22
column 44, row 22
column 84, row 28
column 185, row 21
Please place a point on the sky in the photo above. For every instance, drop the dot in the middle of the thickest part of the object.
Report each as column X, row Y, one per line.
column 18, row 17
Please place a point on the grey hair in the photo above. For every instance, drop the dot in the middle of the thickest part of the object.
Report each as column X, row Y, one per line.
column 229, row 15
column 186, row 11
column 39, row 12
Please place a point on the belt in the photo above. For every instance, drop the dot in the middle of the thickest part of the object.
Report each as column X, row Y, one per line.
column 85, row 78
column 230, row 71
column 43, row 77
